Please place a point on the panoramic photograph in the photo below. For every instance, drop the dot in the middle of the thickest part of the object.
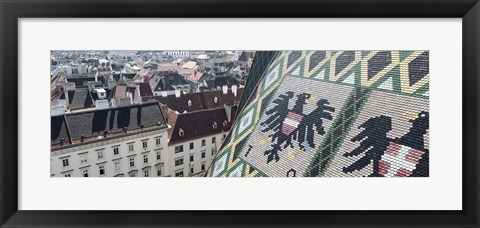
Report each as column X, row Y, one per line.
column 231, row 113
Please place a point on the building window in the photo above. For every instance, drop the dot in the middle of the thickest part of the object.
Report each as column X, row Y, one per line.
column 159, row 154
column 145, row 158
column 191, row 170
column 203, row 142
column 130, row 148
column 159, row 171
column 191, row 157
column 116, row 151
column 68, row 175
column 214, row 125
column 85, row 173
column 179, row 174
column 158, row 141
column 65, row 162
column 213, row 151
column 83, row 158
column 203, row 167
column 146, row 173
column 118, row 168
column 132, row 162
column 100, row 154
column 203, row 153
column 101, row 170
column 179, row 162
column 214, row 140
column 224, row 136
column 181, row 132
column 191, row 146
column 179, row 149
column 145, row 144
column 133, row 174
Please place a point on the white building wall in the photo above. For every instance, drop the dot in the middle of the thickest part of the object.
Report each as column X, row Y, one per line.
column 76, row 154
column 165, row 163
column 199, row 164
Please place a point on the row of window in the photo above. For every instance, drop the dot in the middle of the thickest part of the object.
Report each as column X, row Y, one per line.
column 179, row 161
column 179, row 149
column 84, row 157
column 102, row 172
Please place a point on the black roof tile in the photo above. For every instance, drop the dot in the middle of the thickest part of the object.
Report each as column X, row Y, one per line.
column 113, row 120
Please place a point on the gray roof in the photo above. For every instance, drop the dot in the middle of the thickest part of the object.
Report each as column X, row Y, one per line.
column 78, row 99
column 113, row 120
column 58, row 129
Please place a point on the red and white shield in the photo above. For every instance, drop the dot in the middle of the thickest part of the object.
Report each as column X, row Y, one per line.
column 291, row 122
column 399, row 160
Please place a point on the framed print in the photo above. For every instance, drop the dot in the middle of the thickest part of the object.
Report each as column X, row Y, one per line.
column 266, row 113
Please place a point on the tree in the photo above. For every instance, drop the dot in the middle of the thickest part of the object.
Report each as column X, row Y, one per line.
column 229, row 65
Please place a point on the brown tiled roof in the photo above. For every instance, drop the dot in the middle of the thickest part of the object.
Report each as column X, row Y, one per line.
column 229, row 98
column 200, row 100
column 196, row 76
column 180, row 104
column 145, row 89
column 120, row 91
column 171, row 120
column 199, row 124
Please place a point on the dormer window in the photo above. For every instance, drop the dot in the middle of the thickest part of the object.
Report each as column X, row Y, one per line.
column 189, row 103
column 215, row 100
column 181, row 132
column 214, row 125
column 225, row 123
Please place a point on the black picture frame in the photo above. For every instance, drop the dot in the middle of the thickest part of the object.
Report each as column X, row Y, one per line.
column 12, row 10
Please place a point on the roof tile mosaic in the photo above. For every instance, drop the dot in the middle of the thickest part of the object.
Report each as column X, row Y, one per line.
column 333, row 114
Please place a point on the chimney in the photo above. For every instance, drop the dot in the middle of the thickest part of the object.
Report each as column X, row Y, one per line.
column 228, row 111
column 225, row 89
column 96, row 76
column 177, row 93
column 111, row 83
column 164, row 94
column 91, row 86
column 234, row 90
